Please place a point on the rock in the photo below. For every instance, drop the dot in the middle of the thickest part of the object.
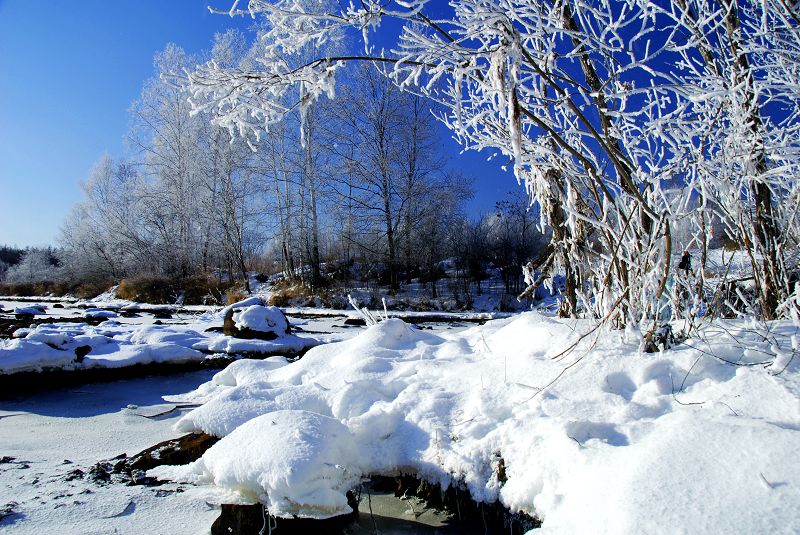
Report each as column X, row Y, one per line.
column 58, row 305
column 355, row 322
column 250, row 519
column 81, row 352
column 100, row 473
column 177, row 451
column 162, row 314
column 8, row 510
column 228, row 325
column 238, row 519
column 256, row 322
column 75, row 474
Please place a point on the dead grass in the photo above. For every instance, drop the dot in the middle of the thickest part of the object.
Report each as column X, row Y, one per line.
column 284, row 292
column 234, row 295
column 55, row 288
column 147, row 289
column 156, row 289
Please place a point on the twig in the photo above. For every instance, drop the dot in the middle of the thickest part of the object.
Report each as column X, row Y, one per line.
column 726, row 360
column 679, row 402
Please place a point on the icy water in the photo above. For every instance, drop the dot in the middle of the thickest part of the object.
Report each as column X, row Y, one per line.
column 49, row 441
column 382, row 512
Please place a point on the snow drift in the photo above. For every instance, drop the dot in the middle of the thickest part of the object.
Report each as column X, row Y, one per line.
column 622, row 442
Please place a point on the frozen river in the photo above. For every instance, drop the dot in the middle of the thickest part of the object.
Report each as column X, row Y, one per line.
column 49, row 440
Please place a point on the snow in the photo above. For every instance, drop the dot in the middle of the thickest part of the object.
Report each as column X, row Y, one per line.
column 621, row 442
column 20, row 355
column 53, row 434
column 600, row 439
column 99, row 313
column 115, row 344
column 33, row 310
column 295, row 462
column 263, row 319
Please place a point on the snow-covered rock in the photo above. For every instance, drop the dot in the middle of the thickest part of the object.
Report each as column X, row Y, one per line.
column 32, row 310
column 298, row 463
column 99, row 313
column 264, row 319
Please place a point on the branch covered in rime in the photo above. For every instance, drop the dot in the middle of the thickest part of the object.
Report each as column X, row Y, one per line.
column 624, row 119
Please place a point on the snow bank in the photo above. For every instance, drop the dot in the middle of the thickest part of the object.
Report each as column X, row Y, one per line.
column 22, row 355
column 112, row 344
column 622, row 442
column 298, row 463
column 53, row 346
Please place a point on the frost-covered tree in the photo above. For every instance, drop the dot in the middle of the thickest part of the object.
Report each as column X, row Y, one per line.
column 36, row 265
column 392, row 180
column 168, row 139
column 598, row 104
column 188, row 199
column 102, row 236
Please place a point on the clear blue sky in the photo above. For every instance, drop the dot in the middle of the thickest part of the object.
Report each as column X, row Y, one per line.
column 68, row 73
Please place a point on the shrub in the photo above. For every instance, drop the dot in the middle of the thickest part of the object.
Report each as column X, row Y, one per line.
column 279, row 299
column 203, row 290
column 157, row 289
column 284, row 292
column 730, row 244
column 234, row 295
column 154, row 289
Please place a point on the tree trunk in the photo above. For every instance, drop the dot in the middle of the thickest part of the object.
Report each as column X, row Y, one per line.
column 764, row 224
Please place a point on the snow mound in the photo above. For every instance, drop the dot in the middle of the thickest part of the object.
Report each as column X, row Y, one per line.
column 23, row 355
column 296, row 462
column 248, row 371
column 99, row 313
column 240, row 372
column 33, row 310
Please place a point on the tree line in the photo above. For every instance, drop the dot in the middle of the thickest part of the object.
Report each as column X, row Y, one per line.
column 365, row 192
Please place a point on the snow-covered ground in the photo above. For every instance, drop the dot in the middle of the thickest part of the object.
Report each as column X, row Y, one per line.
column 698, row 439
column 120, row 342
column 48, row 442
column 555, row 418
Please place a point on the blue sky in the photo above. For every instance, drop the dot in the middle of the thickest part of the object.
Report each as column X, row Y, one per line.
column 69, row 72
